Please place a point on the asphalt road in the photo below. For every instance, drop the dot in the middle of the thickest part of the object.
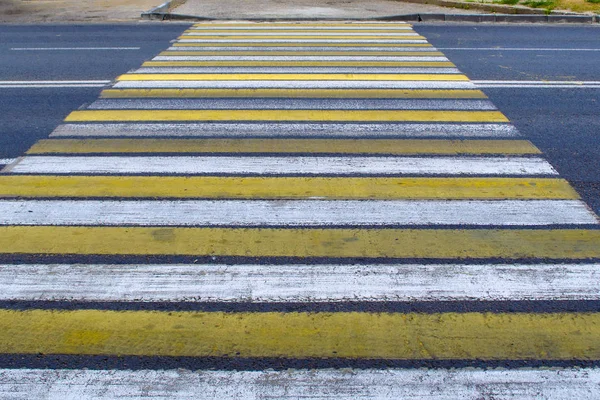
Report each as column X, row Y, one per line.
column 563, row 123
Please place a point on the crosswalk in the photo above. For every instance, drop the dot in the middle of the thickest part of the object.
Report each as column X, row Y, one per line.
column 295, row 210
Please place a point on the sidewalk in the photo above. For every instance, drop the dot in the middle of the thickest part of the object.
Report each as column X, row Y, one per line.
column 307, row 9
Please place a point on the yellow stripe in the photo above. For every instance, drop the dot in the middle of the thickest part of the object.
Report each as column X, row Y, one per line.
column 233, row 36
column 575, row 244
column 285, row 115
column 255, row 44
column 297, row 31
column 292, row 77
column 299, row 93
column 301, row 24
column 306, row 53
column 284, row 187
column 353, row 335
column 297, row 64
column 349, row 146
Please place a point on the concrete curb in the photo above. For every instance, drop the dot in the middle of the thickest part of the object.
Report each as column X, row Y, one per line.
column 500, row 18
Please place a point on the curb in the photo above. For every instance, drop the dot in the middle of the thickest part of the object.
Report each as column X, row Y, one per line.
column 158, row 14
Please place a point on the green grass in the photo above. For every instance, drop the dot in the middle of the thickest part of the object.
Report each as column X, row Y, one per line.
column 511, row 2
column 593, row 1
column 548, row 4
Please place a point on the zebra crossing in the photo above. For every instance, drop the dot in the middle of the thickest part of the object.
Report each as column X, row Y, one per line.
column 291, row 210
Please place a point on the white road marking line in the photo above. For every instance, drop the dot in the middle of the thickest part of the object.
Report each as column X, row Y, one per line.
column 6, row 161
column 536, row 84
column 302, row 27
column 285, row 165
column 350, row 41
column 298, row 70
column 296, row 84
column 514, row 49
column 382, row 384
column 295, row 212
column 315, row 48
column 300, row 58
column 71, row 48
column 53, row 84
column 308, row 130
column 308, row 33
column 290, row 104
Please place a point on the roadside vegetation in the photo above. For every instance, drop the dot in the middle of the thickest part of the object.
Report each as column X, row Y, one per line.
column 585, row 6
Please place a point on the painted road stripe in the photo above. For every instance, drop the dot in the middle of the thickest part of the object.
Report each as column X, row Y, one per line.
column 5, row 161
column 294, row 84
column 301, row 35
column 284, row 187
column 294, row 93
column 518, row 49
column 467, row 384
column 509, row 244
column 297, row 32
column 365, row 64
column 295, row 70
column 300, row 283
column 284, row 165
column 305, row 46
column 349, row 146
column 327, row 42
column 286, row 115
column 309, row 50
column 439, row 336
column 290, row 104
column 275, row 130
column 294, row 212
column 291, row 77
column 300, row 58
column 405, row 51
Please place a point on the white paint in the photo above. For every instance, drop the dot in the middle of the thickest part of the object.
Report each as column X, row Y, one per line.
column 537, row 84
column 299, row 58
column 6, row 161
column 295, row 212
column 515, row 49
column 290, row 104
column 297, row 70
column 351, row 384
column 302, row 27
column 275, row 129
column 297, row 84
column 71, row 48
column 315, row 48
column 358, row 41
column 284, row 165
column 53, row 84
column 308, row 33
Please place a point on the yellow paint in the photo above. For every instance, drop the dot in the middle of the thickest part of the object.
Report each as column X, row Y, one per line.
column 346, row 146
column 424, row 64
column 259, row 44
column 209, row 25
column 292, row 77
column 576, row 244
column 306, row 53
column 284, row 187
column 357, row 335
column 298, row 93
column 297, row 31
column 233, row 36
column 285, row 115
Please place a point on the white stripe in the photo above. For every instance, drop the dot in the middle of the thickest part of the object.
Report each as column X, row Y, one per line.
column 292, row 34
column 309, row 130
column 357, row 41
column 515, row 49
column 304, row 28
column 297, row 48
column 540, row 82
column 52, row 82
column 294, row 212
column 290, row 104
column 297, row 70
column 72, row 48
column 50, row 86
column 296, row 84
column 298, row 58
column 286, row 165
column 5, row 161
column 338, row 384
column 540, row 86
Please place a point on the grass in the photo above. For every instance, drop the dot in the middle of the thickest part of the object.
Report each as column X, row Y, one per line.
column 547, row 4
column 510, row 2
